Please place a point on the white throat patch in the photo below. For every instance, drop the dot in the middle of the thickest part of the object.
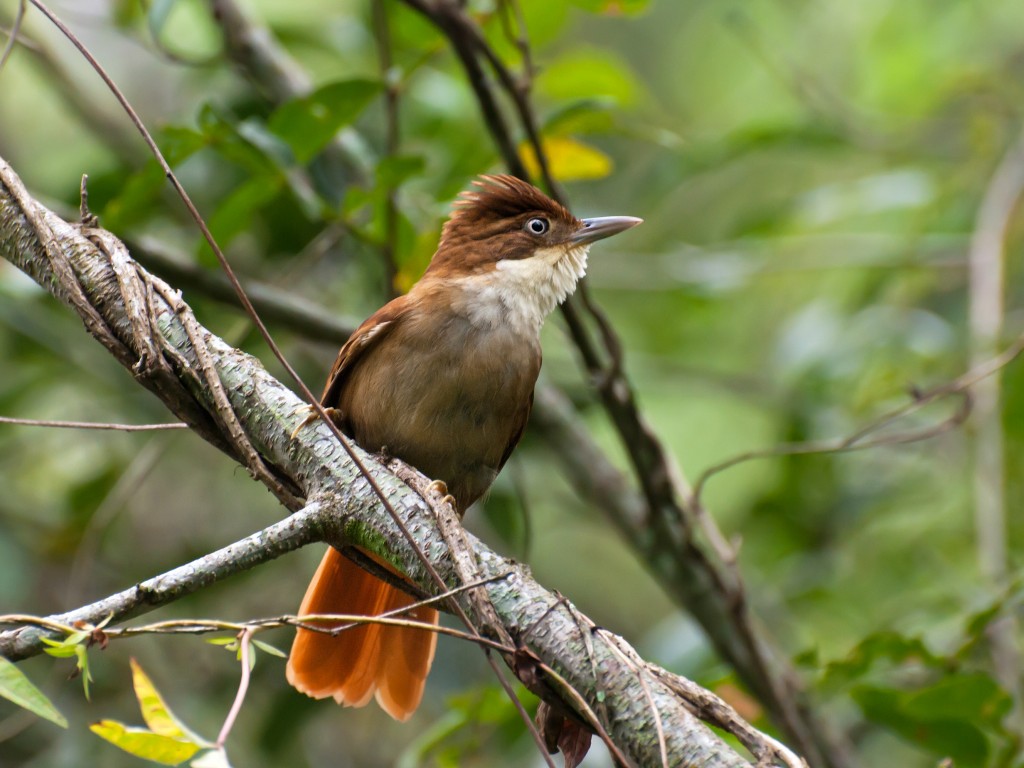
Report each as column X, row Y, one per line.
column 521, row 293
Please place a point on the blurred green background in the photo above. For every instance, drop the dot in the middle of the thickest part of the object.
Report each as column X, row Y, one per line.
column 810, row 174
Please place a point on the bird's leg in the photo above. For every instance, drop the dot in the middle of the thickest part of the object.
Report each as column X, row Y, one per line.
column 312, row 415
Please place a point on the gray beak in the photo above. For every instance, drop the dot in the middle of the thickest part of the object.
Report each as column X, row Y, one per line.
column 602, row 227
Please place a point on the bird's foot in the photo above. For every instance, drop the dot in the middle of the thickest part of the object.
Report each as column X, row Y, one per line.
column 312, row 415
column 441, row 488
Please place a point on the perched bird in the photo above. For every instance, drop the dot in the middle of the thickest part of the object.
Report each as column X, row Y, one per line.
column 443, row 379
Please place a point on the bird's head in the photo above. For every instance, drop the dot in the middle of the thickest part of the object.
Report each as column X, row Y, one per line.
column 516, row 248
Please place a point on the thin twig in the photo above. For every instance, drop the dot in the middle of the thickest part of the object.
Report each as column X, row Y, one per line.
column 310, row 623
column 244, row 638
column 92, row 425
column 389, row 249
column 13, row 34
column 856, row 441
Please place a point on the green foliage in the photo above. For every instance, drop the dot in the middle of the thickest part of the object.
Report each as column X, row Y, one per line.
column 309, row 122
column 809, row 175
column 234, row 645
column 474, row 718
column 17, row 688
column 76, row 646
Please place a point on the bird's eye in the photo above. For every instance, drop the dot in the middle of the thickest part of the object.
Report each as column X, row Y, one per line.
column 537, row 226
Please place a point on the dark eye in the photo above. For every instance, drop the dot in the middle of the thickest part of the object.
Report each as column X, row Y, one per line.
column 537, row 226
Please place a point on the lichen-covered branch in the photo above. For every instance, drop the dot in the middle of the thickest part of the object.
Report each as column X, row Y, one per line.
column 132, row 313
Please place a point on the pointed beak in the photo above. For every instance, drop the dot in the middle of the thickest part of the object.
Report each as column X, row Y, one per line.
column 602, row 227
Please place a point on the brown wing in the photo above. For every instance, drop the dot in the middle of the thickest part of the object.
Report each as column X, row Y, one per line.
column 366, row 336
column 517, row 433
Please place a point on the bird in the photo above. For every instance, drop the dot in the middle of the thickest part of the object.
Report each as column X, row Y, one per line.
column 443, row 379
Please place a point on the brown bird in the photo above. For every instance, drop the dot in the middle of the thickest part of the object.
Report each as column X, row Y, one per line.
column 443, row 379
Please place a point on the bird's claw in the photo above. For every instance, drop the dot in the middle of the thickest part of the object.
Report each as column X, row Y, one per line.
column 312, row 415
column 441, row 488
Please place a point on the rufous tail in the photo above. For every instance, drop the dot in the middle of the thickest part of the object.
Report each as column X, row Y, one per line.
column 389, row 663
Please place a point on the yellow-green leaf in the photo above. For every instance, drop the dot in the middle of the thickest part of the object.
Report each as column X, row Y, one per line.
column 15, row 687
column 156, row 713
column 268, row 648
column 568, row 159
column 146, row 744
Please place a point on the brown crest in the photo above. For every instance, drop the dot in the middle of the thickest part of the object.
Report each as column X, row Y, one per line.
column 505, row 197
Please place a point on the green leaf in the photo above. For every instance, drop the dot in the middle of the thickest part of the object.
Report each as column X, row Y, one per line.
column 139, row 192
column 392, row 171
column 82, row 663
column 590, row 115
column 17, row 688
column 308, row 123
column 882, row 646
column 229, row 642
column 235, row 214
column 268, row 648
column 595, row 73
column 156, row 713
column 944, row 737
column 59, row 649
column 144, row 743
column 974, row 697
column 222, row 134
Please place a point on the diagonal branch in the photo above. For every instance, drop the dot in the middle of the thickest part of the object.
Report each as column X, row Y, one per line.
column 65, row 259
column 698, row 571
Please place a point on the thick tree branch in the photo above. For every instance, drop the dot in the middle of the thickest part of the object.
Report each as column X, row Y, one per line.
column 136, row 316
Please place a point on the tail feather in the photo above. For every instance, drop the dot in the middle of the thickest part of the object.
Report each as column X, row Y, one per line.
column 391, row 662
column 406, row 655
